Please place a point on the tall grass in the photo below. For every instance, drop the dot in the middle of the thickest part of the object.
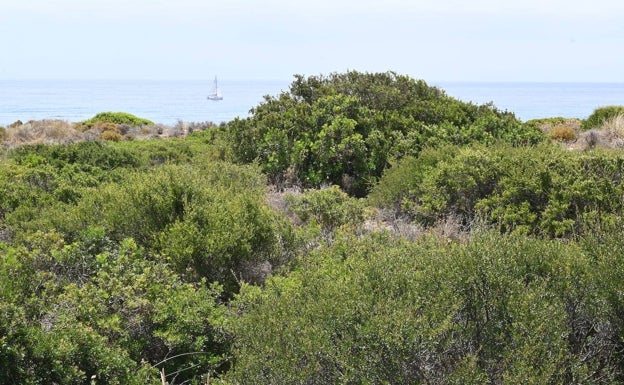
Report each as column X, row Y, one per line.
column 615, row 125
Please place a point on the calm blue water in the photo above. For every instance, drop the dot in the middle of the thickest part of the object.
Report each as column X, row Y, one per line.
column 167, row 102
column 540, row 100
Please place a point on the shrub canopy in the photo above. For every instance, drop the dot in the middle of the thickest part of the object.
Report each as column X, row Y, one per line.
column 344, row 129
column 118, row 118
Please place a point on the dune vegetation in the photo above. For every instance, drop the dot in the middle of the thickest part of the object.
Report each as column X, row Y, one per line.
column 358, row 228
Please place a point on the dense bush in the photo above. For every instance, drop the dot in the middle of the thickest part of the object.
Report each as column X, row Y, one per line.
column 328, row 208
column 98, row 154
column 83, row 302
column 111, row 323
column 117, row 118
column 497, row 310
column 344, row 129
column 207, row 223
column 543, row 190
column 601, row 115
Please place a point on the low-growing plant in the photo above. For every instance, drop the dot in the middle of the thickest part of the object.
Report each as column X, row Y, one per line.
column 207, row 222
column 118, row 118
column 16, row 123
column 113, row 136
column 106, row 126
column 545, row 122
column 106, row 156
column 562, row 133
column 48, row 131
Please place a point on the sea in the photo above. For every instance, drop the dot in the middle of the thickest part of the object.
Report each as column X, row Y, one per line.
column 168, row 102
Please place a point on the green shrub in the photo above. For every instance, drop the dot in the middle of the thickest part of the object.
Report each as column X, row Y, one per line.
column 499, row 309
column 330, row 208
column 542, row 190
column 600, row 115
column 145, row 310
column 345, row 129
column 209, row 222
column 106, row 156
column 118, row 118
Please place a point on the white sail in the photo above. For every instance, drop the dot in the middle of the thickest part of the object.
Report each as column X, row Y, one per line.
column 215, row 93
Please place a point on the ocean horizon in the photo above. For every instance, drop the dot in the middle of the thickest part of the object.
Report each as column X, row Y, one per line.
column 169, row 101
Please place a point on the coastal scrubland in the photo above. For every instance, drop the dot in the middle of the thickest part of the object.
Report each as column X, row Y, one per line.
column 357, row 228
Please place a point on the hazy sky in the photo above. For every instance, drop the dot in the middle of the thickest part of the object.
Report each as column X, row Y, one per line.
column 435, row 40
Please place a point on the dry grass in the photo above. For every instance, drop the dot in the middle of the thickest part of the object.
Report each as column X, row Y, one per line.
column 563, row 133
column 615, row 125
column 548, row 125
column 609, row 135
column 41, row 131
column 50, row 131
column 276, row 200
column 449, row 229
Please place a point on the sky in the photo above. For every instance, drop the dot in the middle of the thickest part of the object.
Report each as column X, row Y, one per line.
column 434, row 40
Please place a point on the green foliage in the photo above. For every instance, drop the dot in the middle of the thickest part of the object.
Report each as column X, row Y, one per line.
column 106, row 318
column 601, row 115
column 118, row 118
column 344, row 129
column 349, row 315
column 209, row 222
column 500, row 309
column 142, row 307
column 158, row 152
column 97, row 154
column 121, row 259
column 39, row 184
column 330, row 208
column 542, row 190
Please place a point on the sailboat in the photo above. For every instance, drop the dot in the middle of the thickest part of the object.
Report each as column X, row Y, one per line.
column 215, row 93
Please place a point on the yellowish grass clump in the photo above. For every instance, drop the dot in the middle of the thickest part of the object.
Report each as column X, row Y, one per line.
column 111, row 135
column 563, row 133
column 615, row 125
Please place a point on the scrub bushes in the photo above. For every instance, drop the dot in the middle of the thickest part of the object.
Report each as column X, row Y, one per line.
column 499, row 309
column 118, row 118
column 543, row 190
column 345, row 129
